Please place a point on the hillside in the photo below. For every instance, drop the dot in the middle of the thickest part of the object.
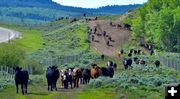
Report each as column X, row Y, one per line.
column 157, row 22
column 43, row 11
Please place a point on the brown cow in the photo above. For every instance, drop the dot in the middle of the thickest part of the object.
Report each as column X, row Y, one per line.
column 77, row 74
column 95, row 71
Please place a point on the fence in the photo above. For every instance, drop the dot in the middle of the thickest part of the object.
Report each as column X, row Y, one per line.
column 64, row 60
column 8, row 73
column 170, row 62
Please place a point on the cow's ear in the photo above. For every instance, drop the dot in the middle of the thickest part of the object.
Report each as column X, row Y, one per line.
column 20, row 68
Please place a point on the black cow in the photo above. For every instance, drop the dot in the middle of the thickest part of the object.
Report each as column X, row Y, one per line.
column 157, row 63
column 111, row 71
column 135, row 59
column 131, row 51
column 86, row 76
column 122, row 51
column 108, row 72
column 127, row 26
column 151, row 52
column 127, row 63
column 130, row 54
column 104, row 33
column 69, row 78
column 52, row 75
column 135, row 52
column 93, row 37
column 115, row 66
column 102, row 57
column 139, row 51
column 21, row 77
column 95, row 30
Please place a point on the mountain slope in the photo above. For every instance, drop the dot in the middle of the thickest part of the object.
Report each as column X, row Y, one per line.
column 41, row 11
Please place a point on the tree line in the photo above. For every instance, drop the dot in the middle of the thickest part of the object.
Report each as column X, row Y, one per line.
column 158, row 22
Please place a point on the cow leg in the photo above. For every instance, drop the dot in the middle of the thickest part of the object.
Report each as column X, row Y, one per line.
column 22, row 89
column 48, row 85
column 51, row 85
column 74, row 82
column 55, row 85
column 88, row 80
column 71, row 84
column 65, row 84
column 77, row 82
column 81, row 80
column 17, row 88
column 62, row 83
column 26, row 88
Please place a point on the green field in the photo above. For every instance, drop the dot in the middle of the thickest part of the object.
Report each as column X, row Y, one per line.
column 31, row 38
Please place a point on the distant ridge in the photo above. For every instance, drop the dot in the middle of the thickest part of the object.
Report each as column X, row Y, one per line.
column 25, row 11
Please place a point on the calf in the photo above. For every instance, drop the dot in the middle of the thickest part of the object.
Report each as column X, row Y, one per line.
column 21, row 77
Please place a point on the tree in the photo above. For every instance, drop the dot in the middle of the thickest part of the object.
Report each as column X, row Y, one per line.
column 10, row 55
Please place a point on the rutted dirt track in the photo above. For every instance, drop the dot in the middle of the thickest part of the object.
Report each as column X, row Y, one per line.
column 118, row 34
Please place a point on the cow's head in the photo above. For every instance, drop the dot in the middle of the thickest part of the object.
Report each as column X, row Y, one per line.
column 17, row 68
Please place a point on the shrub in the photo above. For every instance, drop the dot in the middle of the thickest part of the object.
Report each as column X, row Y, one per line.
column 139, row 76
column 10, row 55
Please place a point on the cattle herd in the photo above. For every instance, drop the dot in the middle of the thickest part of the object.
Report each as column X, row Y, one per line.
column 127, row 62
column 70, row 77
column 93, row 33
column 73, row 76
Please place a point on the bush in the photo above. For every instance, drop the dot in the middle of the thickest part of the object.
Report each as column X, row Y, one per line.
column 6, row 83
column 139, row 76
column 10, row 55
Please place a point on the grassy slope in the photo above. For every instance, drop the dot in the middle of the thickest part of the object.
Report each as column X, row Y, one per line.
column 62, row 38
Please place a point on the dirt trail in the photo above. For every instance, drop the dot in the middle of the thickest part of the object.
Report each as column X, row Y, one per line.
column 119, row 35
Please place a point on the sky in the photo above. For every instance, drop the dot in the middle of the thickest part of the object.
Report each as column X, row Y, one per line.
column 97, row 3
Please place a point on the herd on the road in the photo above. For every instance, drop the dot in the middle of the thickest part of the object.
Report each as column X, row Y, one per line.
column 93, row 33
column 72, row 77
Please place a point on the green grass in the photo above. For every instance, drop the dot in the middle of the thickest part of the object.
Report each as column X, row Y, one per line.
column 97, row 94
column 66, row 40
column 31, row 38
column 35, row 92
column 39, row 91
column 141, row 92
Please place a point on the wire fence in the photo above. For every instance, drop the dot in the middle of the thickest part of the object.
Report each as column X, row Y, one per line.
column 170, row 62
column 64, row 60
column 8, row 72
